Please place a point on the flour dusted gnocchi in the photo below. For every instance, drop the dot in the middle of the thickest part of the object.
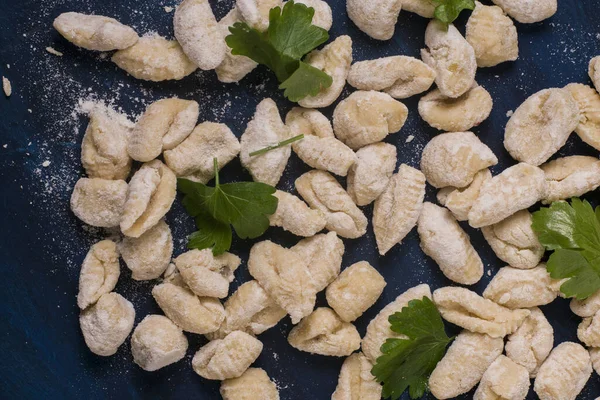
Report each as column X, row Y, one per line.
column 528, row 11
column 371, row 173
column 595, row 356
column 448, row 244
column 323, row 15
column 588, row 307
column 319, row 148
column 399, row 76
column 504, row 379
column 464, row 364
column 295, row 216
column 516, row 188
column 452, row 58
column 254, row 384
column 99, row 202
column 324, row 333
column 588, row 101
column 334, row 59
column 541, row 126
column 460, row 201
column 323, row 253
column 256, row 12
column 375, row 18
column 397, row 210
column 356, row 381
column 151, row 193
column 106, row 324
column 99, row 273
column 227, row 358
column 521, row 288
column 594, row 71
column 205, row 274
column 322, row 192
column 493, row 36
column 149, row 255
column 424, row 8
column 588, row 331
column 95, row 32
column 157, row 342
column 456, row 114
column 571, row 176
column 355, row 290
column 564, row 373
column 233, row 68
column 468, row 310
column 154, row 58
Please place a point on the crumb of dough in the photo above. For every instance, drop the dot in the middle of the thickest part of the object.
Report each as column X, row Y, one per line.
column 410, row 138
column 30, row 110
column 509, row 113
column 52, row 50
column 6, row 86
column 168, row 9
column 5, row 146
column 46, row 164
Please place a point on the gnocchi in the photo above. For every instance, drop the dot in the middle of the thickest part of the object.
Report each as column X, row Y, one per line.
column 99, row 202
column 521, row 288
column 256, row 12
column 594, row 72
column 460, row 201
column 528, row 11
column 323, row 253
column 234, row 67
column 571, row 176
column 149, row 255
column 503, row 379
column 588, row 307
column 254, row 384
column 295, row 216
column 205, row 274
column 375, row 18
column 424, row 8
column 588, row 331
column 157, row 342
column 99, row 273
column 356, row 381
column 371, row 173
column 588, row 101
column 95, row 32
column 595, row 356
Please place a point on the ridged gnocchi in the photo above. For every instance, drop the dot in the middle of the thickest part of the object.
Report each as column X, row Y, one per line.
column 356, row 381
column 254, row 384
column 588, row 101
column 571, row 176
column 323, row 253
column 595, row 356
column 459, row 201
column 528, row 11
column 95, row 32
column 594, row 71
column 588, row 307
column 99, row 202
column 588, row 331
column 521, row 288
column 504, row 379
column 149, row 255
column 157, row 342
column 371, row 173
column 295, row 216
column 256, row 12
column 99, row 273
column 375, row 18
column 234, row 67
column 205, row 274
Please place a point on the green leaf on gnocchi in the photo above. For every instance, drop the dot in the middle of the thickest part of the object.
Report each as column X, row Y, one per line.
column 448, row 10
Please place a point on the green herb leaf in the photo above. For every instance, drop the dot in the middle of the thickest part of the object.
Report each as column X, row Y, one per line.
column 448, row 10
column 407, row 363
column 210, row 234
column 277, row 146
column 306, row 81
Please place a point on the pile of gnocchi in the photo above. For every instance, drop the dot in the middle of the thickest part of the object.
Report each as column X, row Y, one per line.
column 192, row 288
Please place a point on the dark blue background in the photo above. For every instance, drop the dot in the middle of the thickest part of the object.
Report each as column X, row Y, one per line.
column 42, row 352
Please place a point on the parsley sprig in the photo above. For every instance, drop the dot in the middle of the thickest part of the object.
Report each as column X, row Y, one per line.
column 448, row 10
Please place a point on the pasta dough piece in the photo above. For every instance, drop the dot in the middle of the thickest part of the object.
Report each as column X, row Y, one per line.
column 371, row 173
column 355, row 290
column 99, row 273
column 200, row 36
column 588, row 307
column 323, row 17
column 399, row 76
column 149, row 255
column 157, row 342
column 594, row 72
column 322, row 192
column 541, row 126
column 460, row 201
column 356, row 381
column 588, row 331
column 528, row 11
column 265, row 129
column 464, row 364
column 323, row 253
column 521, row 288
column 295, row 216
column 571, row 176
column 154, row 58
column 227, row 358
column 504, row 379
column 163, row 126
column 324, row 333
column 254, row 384
column 564, row 373
column 456, row 114
column 453, row 159
column 95, row 32
column 493, row 36
column 233, row 68
column 424, row 8
column 515, row 189
column 379, row 330
column 205, row 274
column 375, row 18
column 595, row 356
column 588, row 101
column 397, row 210
column 106, row 324
column 99, row 202
column 319, row 148
column 448, row 244
column 365, row 118
column 151, row 193
column 256, row 12
column 468, row 310
column 452, row 58
column 334, row 59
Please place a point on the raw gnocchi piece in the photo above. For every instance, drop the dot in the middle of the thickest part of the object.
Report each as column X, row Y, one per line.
column 521, row 288
column 322, row 192
column 95, row 32
column 356, row 381
column 149, row 255
column 365, row 118
column 571, row 176
column 588, row 307
column 227, row 358
column 199, row 34
column 397, row 210
column 319, row 149
column 151, row 193
column 464, row 364
column 157, row 342
column 191, row 313
column 424, row 8
column 205, row 274
column 453, row 159
column 588, row 331
column 528, row 11
column 588, row 101
column 456, row 114
column 375, row 18
column 99, row 202
column 99, row 273
column 594, row 71
column 256, row 12
column 460, row 201
column 493, row 36
column 334, row 59
column 371, row 173
column 564, row 373
column 254, row 384
column 399, row 76
column 265, row 129
column 515, row 189
column 163, row 126
column 106, row 324
column 233, row 68
column 452, row 58
column 379, row 330
column 468, row 310
column 530, row 345
column 504, row 379
column 541, row 126
column 285, row 277
column 324, row 255
column 295, row 216
column 448, row 244
column 355, row 290
column 324, row 333
column 595, row 356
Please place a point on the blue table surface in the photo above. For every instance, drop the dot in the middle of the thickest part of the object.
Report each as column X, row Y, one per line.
column 42, row 352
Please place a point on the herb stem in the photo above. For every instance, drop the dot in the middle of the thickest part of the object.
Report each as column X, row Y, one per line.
column 216, row 165
column 277, row 146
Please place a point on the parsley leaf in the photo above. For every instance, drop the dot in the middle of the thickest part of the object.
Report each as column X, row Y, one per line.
column 306, row 81
column 211, row 234
column 448, row 10
column 407, row 363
